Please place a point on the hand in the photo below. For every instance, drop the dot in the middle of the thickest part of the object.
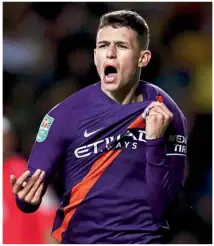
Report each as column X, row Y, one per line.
column 31, row 191
column 157, row 120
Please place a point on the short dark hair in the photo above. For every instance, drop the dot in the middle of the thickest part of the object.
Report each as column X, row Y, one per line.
column 130, row 19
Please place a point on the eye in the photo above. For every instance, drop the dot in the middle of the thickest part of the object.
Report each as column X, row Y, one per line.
column 102, row 46
column 122, row 46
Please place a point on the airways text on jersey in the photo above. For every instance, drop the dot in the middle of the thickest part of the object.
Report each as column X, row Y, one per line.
column 130, row 140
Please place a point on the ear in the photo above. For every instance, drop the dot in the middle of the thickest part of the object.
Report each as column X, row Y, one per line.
column 145, row 57
column 95, row 57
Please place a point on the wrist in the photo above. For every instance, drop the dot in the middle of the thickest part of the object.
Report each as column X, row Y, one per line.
column 161, row 141
column 152, row 137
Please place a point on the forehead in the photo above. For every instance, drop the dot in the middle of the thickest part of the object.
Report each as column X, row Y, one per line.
column 109, row 33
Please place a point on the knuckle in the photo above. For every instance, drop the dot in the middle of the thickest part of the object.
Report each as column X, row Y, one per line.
column 35, row 178
column 20, row 196
column 160, row 116
column 31, row 182
column 170, row 117
column 27, row 199
column 40, row 179
column 34, row 188
column 14, row 190
column 35, row 200
column 37, row 182
column 18, row 183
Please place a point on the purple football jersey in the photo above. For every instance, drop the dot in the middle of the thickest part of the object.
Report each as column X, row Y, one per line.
column 118, row 185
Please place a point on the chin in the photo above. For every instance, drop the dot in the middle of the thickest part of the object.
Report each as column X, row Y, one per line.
column 111, row 87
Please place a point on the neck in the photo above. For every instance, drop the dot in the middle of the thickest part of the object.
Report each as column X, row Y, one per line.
column 126, row 95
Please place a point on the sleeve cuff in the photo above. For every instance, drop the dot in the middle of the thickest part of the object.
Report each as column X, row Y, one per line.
column 26, row 207
column 157, row 141
column 156, row 151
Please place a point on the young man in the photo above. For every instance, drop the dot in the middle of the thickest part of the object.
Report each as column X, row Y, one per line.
column 119, row 146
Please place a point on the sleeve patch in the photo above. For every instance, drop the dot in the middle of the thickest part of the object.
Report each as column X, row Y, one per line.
column 177, row 145
column 44, row 128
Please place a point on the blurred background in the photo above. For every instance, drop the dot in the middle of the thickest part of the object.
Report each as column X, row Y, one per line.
column 48, row 56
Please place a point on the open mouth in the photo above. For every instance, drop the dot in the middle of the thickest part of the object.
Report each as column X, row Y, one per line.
column 109, row 70
column 110, row 74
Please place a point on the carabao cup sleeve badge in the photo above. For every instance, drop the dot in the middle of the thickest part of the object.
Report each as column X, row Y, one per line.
column 44, row 128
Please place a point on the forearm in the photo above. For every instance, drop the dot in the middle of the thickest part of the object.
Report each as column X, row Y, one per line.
column 161, row 188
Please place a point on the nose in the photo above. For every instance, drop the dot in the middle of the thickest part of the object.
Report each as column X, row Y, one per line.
column 111, row 52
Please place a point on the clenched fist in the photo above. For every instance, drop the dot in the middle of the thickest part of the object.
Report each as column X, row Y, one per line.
column 157, row 120
column 31, row 191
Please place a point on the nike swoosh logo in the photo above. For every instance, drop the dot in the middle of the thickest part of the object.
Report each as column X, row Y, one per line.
column 166, row 226
column 88, row 134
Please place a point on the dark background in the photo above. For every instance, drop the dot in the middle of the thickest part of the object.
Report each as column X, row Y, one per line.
column 48, row 55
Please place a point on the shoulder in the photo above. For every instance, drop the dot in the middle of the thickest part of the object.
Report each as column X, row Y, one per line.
column 156, row 91
column 66, row 115
column 179, row 119
column 74, row 103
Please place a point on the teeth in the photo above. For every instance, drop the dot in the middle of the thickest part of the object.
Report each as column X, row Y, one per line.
column 109, row 79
